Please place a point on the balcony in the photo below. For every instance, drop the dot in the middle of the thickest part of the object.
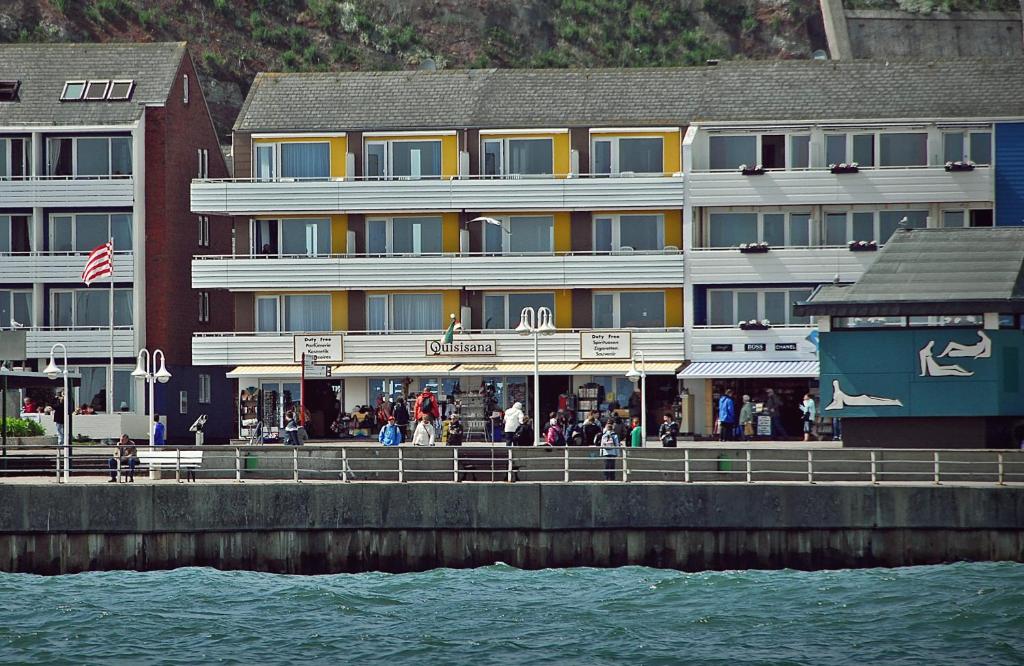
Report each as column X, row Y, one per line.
column 778, row 265
column 61, row 191
column 730, row 343
column 869, row 186
column 450, row 271
column 59, row 268
column 245, row 196
column 82, row 342
column 360, row 347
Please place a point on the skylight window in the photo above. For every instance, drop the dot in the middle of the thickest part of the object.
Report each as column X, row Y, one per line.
column 9, row 91
column 120, row 90
column 96, row 90
column 73, row 91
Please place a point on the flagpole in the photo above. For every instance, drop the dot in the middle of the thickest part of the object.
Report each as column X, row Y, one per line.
column 110, row 373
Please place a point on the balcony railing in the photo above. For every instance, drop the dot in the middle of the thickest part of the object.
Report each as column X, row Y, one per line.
column 815, row 186
column 778, row 265
column 81, row 341
column 241, row 196
column 445, row 271
column 730, row 343
column 83, row 191
column 234, row 348
column 58, row 267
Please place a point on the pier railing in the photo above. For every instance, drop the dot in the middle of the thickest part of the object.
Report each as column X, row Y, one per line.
column 407, row 464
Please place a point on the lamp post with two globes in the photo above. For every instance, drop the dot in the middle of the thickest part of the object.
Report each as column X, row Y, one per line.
column 537, row 323
column 52, row 371
column 640, row 377
column 144, row 369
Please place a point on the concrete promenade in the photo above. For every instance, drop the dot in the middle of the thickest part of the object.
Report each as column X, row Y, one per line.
column 327, row 527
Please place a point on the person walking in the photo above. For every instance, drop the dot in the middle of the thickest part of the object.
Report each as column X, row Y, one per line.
column 58, row 419
column 159, row 431
column 609, row 450
column 390, row 434
column 514, row 417
column 554, row 436
column 455, row 431
column 636, row 435
column 425, row 432
column 809, row 412
column 746, row 425
column 426, row 403
column 668, row 431
column 524, row 435
column 291, row 429
column 773, row 406
column 401, row 414
column 726, row 416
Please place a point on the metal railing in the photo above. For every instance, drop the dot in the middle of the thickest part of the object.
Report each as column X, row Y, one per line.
column 622, row 251
column 408, row 464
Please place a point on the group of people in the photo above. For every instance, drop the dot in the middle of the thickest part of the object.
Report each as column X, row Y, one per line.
column 741, row 424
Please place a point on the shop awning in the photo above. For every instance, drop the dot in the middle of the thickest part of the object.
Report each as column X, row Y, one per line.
column 622, row 367
column 268, row 371
column 749, row 369
column 512, row 369
column 391, row 369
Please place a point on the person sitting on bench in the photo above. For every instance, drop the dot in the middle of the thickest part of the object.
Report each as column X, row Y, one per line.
column 127, row 455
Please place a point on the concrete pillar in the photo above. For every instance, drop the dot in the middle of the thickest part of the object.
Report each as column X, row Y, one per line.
column 836, row 32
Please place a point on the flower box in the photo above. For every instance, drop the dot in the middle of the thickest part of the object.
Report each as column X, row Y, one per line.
column 863, row 246
column 752, row 171
column 754, row 248
column 966, row 165
column 754, row 325
column 843, row 167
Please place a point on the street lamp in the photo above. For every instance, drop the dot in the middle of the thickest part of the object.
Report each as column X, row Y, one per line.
column 640, row 376
column 537, row 323
column 144, row 370
column 52, row 371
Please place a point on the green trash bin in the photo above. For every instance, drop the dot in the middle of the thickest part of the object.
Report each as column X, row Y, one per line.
column 252, row 461
column 724, row 462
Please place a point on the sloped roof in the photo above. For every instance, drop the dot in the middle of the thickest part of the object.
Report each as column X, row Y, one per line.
column 43, row 69
column 787, row 90
column 934, row 271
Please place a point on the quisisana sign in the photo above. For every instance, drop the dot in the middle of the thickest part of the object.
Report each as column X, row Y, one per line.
column 462, row 348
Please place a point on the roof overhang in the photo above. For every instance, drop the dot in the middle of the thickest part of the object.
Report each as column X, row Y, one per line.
column 750, row 370
column 908, row 308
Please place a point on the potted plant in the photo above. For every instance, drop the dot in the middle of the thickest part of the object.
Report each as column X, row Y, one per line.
column 754, row 248
column 863, row 246
column 755, row 325
column 752, row 171
column 844, row 167
column 962, row 165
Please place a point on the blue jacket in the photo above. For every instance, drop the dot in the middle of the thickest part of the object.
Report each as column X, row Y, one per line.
column 390, row 435
column 159, row 433
column 726, row 410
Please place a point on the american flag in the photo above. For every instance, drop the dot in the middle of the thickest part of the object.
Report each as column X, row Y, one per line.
column 99, row 264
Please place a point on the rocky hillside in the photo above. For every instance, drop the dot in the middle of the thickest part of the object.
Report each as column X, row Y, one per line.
column 231, row 40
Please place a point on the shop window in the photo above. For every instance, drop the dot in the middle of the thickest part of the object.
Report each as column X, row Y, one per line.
column 510, row 157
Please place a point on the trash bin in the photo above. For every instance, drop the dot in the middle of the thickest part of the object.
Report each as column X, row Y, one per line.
column 724, row 462
column 252, row 461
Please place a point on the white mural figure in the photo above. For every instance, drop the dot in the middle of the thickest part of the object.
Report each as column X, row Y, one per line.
column 840, row 399
column 931, row 368
column 982, row 349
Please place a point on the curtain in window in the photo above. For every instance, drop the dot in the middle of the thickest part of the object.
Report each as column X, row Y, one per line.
column 603, row 234
column 265, row 162
column 641, row 155
column 22, row 307
column 376, row 236
column 266, row 314
column 416, row 312
column 531, row 234
column 93, row 157
column 121, row 229
column 416, row 159
column 265, row 237
column 92, row 307
column 91, row 231
column 494, row 313
column 417, row 235
column 530, row 156
column 310, row 237
column 307, row 313
column 909, row 149
column 377, row 313
column 63, row 308
column 731, row 229
column 121, row 156
column 774, row 229
column 94, row 380
column 58, row 157
column 604, row 311
column 603, row 157
column 720, row 308
column 122, row 399
column 729, row 152
column 305, row 160
column 642, row 309
column 122, row 307
column 641, row 232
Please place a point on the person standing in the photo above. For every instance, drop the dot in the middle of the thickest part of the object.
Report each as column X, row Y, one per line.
column 425, row 433
column 809, row 412
column 514, row 417
column 747, row 418
column 159, row 431
column 609, row 450
column 291, row 429
column 58, row 420
column 773, row 406
column 401, row 414
column 621, row 429
column 455, row 431
column 635, row 403
column 591, row 430
column 524, row 435
column 668, row 431
column 390, row 434
column 554, row 435
column 426, row 403
column 636, row 435
column 726, row 416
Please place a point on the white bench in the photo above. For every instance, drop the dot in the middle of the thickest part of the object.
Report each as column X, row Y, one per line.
column 176, row 459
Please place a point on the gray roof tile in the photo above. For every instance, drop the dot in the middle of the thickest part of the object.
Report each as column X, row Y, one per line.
column 43, row 69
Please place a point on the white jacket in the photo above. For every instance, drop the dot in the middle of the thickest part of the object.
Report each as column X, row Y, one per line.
column 514, row 417
column 424, row 435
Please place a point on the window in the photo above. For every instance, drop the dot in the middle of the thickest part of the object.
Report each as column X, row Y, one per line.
column 527, row 157
column 773, row 151
column 15, row 308
column 83, row 232
column 14, row 158
column 859, row 148
column 298, row 313
column 183, row 402
column 629, row 309
column 93, row 390
column 777, row 229
column 204, row 162
column 843, row 227
column 9, row 91
column 204, row 307
column 615, row 155
column 644, row 233
column 404, row 312
column 14, row 234
column 965, row 145
column 121, row 90
column 298, row 159
column 728, row 307
column 205, row 389
column 800, row 151
column 902, row 149
column 184, row 88
column 204, row 231
column 404, row 235
column 73, row 90
column 89, row 156
column 90, row 307
column 729, row 152
column 502, row 311
column 412, row 159
column 977, row 217
column 309, row 237
column 521, row 234
column 96, row 90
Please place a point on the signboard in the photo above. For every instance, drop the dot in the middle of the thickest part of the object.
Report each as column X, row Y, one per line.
column 323, row 347
column 605, row 345
column 785, row 346
column 755, row 346
column 764, row 425
column 310, row 370
column 461, row 348
column 721, row 347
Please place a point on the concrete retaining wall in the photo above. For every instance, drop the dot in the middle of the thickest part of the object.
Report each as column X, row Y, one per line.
column 320, row 528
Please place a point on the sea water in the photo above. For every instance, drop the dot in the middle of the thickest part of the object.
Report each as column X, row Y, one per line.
column 953, row 614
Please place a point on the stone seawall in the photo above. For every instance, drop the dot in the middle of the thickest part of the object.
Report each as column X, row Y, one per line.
column 321, row 528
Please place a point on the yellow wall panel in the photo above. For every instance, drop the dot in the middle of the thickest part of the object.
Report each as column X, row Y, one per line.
column 339, row 310
column 674, row 228
column 672, row 146
column 452, row 305
column 449, row 149
column 563, row 308
column 563, row 232
column 560, row 148
column 339, row 149
column 339, row 233
column 673, row 308
column 450, row 232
